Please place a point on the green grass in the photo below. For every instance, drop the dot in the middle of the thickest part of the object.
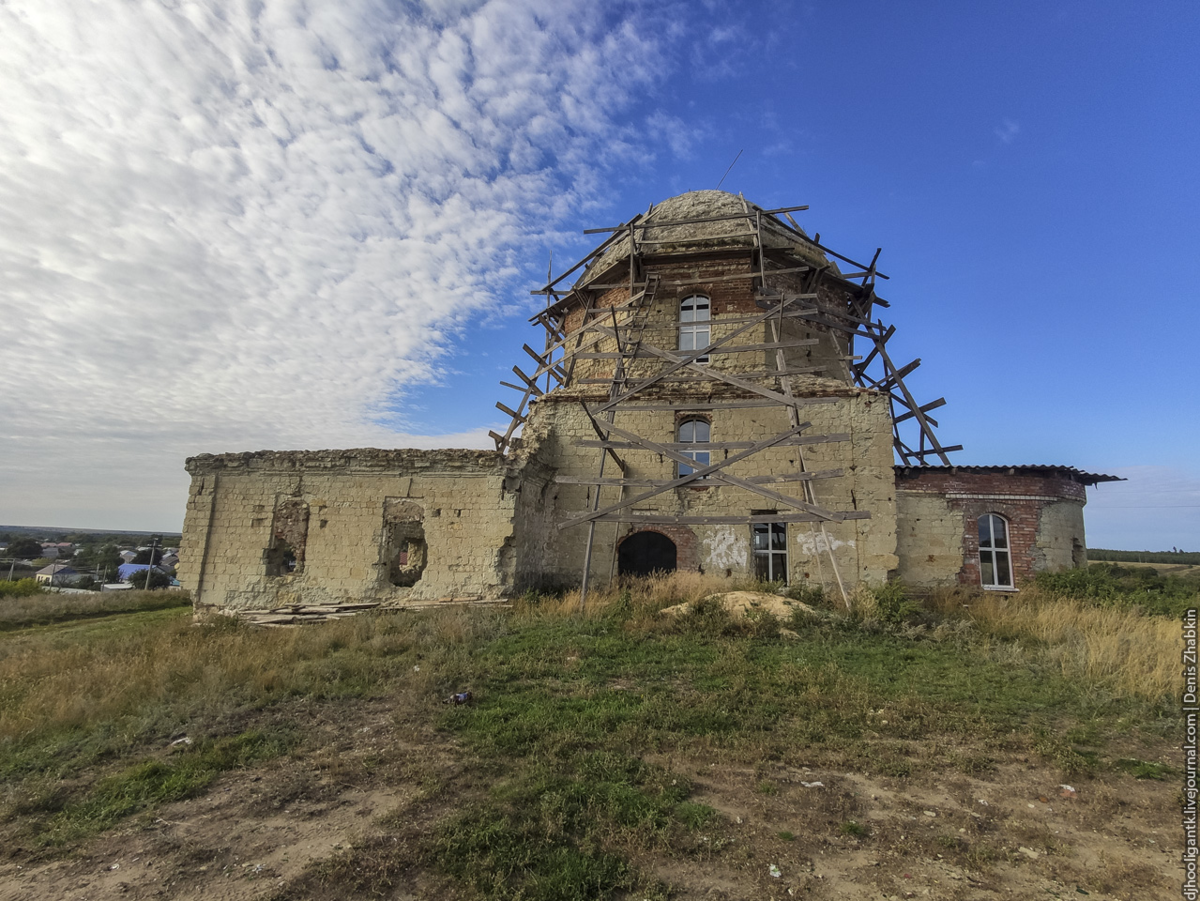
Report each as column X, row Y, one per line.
column 1120, row 586
column 570, row 738
column 1186, row 557
column 1144, row 769
column 57, row 820
column 20, row 609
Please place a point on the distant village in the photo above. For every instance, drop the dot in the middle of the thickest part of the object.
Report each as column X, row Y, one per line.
column 103, row 562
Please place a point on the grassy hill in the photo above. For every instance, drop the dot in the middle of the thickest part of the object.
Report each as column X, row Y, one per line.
column 973, row 746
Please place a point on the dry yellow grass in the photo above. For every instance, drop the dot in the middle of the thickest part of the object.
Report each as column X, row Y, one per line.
column 45, row 607
column 649, row 594
column 1120, row 650
column 180, row 670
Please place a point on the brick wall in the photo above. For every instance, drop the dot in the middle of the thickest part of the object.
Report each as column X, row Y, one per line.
column 938, row 512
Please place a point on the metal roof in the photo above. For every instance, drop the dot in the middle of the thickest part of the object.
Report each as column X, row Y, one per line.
column 1078, row 475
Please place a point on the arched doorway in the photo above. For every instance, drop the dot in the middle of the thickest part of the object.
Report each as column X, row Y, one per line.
column 643, row 553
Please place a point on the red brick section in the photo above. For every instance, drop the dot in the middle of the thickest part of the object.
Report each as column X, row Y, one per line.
column 727, row 297
column 687, row 549
column 1023, row 515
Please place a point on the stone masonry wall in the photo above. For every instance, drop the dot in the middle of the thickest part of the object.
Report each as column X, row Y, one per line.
column 937, row 523
column 241, row 506
column 864, row 549
column 730, row 299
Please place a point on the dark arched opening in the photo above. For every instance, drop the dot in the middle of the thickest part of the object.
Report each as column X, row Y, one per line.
column 643, row 553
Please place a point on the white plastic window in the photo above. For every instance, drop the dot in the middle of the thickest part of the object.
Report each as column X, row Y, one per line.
column 770, row 551
column 695, row 332
column 995, row 558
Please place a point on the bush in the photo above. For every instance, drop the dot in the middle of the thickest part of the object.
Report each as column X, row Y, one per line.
column 1118, row 586
column 893, row 606
column 149, row 579
column 22, row 588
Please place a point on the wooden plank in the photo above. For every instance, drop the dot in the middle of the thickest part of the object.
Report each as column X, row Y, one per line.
column 915, row 407
column 511, row 412
column 679, row 362
column 767, row 345
column 805, row 476
column 726, row 278
column 891, row 330
column 669, row 519
column 653, row 483
column 647, row 223
column 832, row 438
column 696, row 474
column 608, row 450
column 732, row 349
column 685, row 407
column 717, row 375
column 925, row 408
column 715, row 471
column 902, row 372
column 527, row 380
column 604, row 245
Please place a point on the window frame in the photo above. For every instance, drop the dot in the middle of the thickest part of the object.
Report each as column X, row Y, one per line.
column 702, row 458
column 695, row 320
column 774, row 554
column 991, row 552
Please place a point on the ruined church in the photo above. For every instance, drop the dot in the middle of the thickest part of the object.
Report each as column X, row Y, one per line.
column 712, row 391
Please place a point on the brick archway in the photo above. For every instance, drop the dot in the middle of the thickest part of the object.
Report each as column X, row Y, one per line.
column 646, row 552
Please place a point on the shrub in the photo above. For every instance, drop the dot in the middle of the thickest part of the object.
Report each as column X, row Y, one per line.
column 1119, row 586
column 22, row 588
column 888, row 604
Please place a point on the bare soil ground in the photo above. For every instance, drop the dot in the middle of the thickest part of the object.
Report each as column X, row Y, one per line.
column 378, row 781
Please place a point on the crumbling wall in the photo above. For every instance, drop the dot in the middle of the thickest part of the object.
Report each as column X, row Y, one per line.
column 864, row 549
column 730, row 298
column 394, row 527
column 938, row 512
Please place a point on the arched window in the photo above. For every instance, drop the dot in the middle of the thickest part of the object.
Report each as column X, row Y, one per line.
column 694, row 431
column 995, row 559
column 695, row 333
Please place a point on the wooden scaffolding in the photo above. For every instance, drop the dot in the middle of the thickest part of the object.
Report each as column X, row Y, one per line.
column 617, row 332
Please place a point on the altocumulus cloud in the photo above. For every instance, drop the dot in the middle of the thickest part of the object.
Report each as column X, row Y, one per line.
column 239, row 225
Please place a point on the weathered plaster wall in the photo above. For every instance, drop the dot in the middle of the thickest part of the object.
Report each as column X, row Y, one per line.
column 864, row 549
column 731, row 300
column 938, row 512
column 361, row 506
column 929, row 538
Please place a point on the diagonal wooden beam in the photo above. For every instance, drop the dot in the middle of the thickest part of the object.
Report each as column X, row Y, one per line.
column 926, row 429
column 715, row 374
column 599, row 434
column 702, row 472
column 679, row 362
column 717, row 475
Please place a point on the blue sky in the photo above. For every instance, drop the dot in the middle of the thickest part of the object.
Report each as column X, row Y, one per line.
column 238, row 226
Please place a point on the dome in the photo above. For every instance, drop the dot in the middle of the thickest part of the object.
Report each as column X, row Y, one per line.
column 703, row 221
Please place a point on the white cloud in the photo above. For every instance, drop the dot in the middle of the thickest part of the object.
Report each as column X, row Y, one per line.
column 1007, row 131
column 251, row 225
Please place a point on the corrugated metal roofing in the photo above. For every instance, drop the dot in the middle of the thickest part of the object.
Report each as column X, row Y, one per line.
column 1085, row 478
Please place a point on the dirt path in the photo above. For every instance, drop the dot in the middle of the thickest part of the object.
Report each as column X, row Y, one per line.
column 779, row 833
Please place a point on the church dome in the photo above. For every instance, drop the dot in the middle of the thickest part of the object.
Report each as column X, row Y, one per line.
column 700, row 222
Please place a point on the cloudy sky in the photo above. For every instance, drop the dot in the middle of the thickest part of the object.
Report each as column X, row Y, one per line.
column 281, row 224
